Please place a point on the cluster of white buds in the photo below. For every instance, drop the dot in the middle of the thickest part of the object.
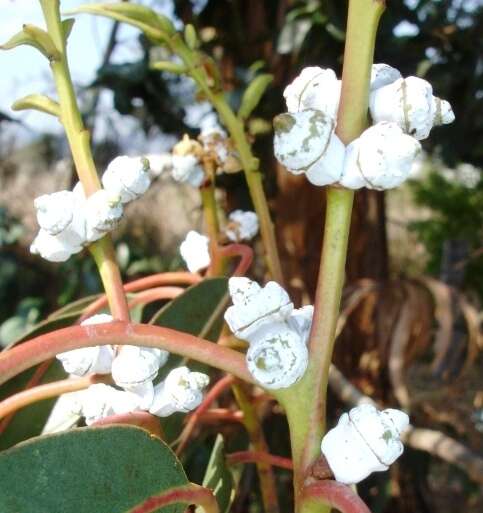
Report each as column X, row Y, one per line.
column 195, row 251
column 365, row 440
column 69, row 221
column 403, row 112
column 277, row 333
column 242, row 225
column 134, row 369
column 219, row 149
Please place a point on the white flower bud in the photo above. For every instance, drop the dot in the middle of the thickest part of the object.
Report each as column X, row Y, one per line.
column 103, row 211
column 242, row 225
column 383, row 74
column 195, row 251
column 135, row 366
column 61, row 214
column 254, row 306
column 315, row 88
column 300, row 321
column 159, row 164
column 410, row 103
column 381, row 158
column 305, row 142
column 127, row 177
column 364, row 441
column 100, row 401
column 89, row 360
column 181, row 391
column 186, row 168
column 51, row 247
column 277, row 356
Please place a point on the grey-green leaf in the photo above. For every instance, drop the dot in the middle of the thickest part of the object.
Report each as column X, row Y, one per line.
column 38, row 102
column 218, row 477
column 90, row 470
column 253, row 94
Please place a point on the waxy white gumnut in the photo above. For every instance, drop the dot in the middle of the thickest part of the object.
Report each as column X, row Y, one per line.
column 254, row 306
column 315, row 88
column 195, row 251
column 89, row 360
column 364, row 441
column 136, row 366
column 181, row 391
column 100, row 401
column 103, row 211
column 186, row 168
column 127, row 177
column 383, row 74
column 277, row 356
column 159, row 164
column 410, row 103
column 60, row 214
column 381, row 158
column 51, row 247
column 300, row 320
column 305, row 142
column 242, row 225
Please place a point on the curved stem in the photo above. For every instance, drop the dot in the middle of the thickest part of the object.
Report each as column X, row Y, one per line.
column 47, row 391
column 336, row 495
column 189, row 494
column 155, row 294
column 259, row 457
column 171, row 278
column 28, row 354
column 244, row 252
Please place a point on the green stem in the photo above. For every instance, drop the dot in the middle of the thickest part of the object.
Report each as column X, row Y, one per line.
column 79, row 142
column 257, row 439
column 305, row 403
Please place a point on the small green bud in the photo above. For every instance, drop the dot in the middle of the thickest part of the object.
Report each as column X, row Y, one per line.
column 190, row 37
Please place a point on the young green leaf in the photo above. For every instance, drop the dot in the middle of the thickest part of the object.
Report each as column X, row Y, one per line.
column 190, row 37
column 152, row 24
column 218, row 477
column 253, row 94
column 170, row 67
column 67, row 25
column 36, row 37
column 38, row 102
column 101, row 470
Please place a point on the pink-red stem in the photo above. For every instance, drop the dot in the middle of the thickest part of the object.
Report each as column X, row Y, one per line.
column 336, row 495
column 155, row 294
column 244, row 252
column 39, row 349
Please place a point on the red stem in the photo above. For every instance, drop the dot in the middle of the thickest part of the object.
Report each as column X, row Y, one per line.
column 259, row 457
column 217, row 389
column 216, row 414
column 39, row 349
column 155, row 294
column 189, row 494
column 155, row 280
column 244, row 252
column 336, row 495
column 142, row 419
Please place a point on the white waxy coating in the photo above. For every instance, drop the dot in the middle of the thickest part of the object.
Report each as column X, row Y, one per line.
column 181, row 391
column 195, row 251
column 364, row 441
column 301, row 138
column 254, row 306
column 127, row 177
column 103, row 212
column 381, row 158
column 51, row 247
column 277, row 356
column 328, row 169
column 159, row 164
column 100, row 401
column 135, row 366
column 186, row 168
column 243, row 225
column 315, row 88
column 383, row 74
column 410, row 103
column 300, row 320
column 89, row 360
